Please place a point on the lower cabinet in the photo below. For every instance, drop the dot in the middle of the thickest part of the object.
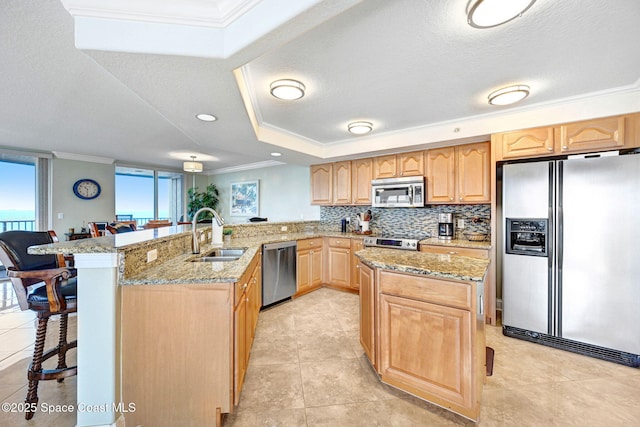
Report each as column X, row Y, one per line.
column 338, row 264
column 367, row 310
column 185, row 348
column 309, row 265
column 430, row 338
column 356, row 245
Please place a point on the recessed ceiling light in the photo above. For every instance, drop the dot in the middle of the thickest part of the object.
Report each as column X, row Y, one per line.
column 276, row 154
column 287, row 89
column 360, row 128
column 491, row 13
column 206, row 117
column 508, row 95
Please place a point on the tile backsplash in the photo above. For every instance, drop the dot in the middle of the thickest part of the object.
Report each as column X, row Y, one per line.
column 417, row 222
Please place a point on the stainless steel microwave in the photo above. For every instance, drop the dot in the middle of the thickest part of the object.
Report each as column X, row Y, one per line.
column 398, row 192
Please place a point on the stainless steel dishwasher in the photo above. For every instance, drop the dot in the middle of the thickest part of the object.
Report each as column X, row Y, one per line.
column 278, row 272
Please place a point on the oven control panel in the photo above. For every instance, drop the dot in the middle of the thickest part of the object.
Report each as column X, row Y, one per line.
column 394, row 243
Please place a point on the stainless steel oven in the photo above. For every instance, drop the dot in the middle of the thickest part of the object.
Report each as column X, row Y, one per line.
column 527, row 236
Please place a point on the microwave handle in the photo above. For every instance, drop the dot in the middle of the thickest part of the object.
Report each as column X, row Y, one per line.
column 412, row 196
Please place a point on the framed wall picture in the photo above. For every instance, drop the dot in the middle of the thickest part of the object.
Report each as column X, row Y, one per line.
column 245, row 198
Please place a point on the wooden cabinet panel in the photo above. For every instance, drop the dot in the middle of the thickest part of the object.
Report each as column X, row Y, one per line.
column 427, row 348
column 441, row 167
column 361, row 175
column 459, row 174
column 591, row 135
column 322, row 184
column 356, row 245
column 367, row 310
column 309, row 264
column 241, row 350
column 342, row 183
column 411, row 164
column 526, row 143
column 473, row 173
column 385, row 167
column 339, row 262
column 437, row 291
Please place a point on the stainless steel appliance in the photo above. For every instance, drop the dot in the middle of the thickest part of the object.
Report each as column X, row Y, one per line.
column 278, row 272
column 570, row 268
column 406, row 243
column 398, row 192
column 445, row 226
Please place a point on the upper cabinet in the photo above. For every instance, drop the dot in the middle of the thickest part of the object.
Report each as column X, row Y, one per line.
column 607, row 133
column 342, row 183
column 361, row 175
column 592, row 135
column 322, row 184
column 399, row 165
column 459, row 174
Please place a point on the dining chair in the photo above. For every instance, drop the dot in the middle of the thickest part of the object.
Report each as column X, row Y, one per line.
column 157, row 223
column 97, row 229
column 45, row 285
column 121, row 227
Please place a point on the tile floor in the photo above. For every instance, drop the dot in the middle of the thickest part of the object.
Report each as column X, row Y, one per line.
column 307, row 369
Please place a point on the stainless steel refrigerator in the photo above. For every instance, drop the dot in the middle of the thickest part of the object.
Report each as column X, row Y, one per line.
column 571, row 254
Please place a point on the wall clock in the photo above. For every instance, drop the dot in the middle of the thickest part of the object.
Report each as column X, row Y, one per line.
column 86, row 189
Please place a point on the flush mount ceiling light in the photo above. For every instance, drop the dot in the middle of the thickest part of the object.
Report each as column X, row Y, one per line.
column 508, row 95
column 287, row 89
column 491, row 13
column 192, row 166
column 206, row 117
column 360, row 128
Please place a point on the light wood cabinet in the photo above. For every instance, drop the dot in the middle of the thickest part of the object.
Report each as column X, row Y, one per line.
column 526, row 143
column 489, row 299
column 367, row 311
column 187, row 346
column 459, row 175
column 592, row 135
column 342, row 183
column 606, row 133
column 361, row 175
column 309, row 265
column 399, row 165
column 248, row 301
column 322, row 184
column 431, row 342
column 356, row 245
column 338, row 264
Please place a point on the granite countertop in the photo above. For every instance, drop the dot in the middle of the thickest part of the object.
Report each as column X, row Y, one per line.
column 436, row 265
column 458, row 243
column 180, row 270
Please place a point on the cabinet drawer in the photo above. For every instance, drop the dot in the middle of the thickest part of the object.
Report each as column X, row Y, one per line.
column 309, row 244
column 339, row 242
column 453, row 250
column 437, row 291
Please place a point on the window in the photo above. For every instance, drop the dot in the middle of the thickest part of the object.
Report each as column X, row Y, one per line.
column 144, row 194
column 18, row 193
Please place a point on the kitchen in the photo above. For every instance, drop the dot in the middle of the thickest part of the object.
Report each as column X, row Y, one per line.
column 329, row 212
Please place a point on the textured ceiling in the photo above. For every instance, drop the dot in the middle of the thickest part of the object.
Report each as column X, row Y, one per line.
column 412, row 67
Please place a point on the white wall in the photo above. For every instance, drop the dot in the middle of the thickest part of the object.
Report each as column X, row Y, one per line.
column 77, row 212
column 285, row 193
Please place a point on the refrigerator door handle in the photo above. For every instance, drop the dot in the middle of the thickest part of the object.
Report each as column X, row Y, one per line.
column 559, row 247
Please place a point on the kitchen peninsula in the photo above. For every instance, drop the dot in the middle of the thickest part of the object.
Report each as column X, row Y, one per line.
column 172, row 336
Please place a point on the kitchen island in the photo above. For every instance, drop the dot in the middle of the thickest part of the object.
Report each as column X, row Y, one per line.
column 422, row 324
column 171, row 336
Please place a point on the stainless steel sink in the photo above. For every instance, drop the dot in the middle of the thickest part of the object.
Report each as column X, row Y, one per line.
column 221, row 255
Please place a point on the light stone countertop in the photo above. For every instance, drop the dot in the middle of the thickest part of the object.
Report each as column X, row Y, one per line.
column 435, row 265
column 180, row 270
column 458, row 243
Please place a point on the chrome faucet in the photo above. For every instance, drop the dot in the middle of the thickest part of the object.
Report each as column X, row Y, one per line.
column 195, row 243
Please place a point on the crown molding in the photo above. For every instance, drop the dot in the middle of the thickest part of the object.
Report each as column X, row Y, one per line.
column 83, row 158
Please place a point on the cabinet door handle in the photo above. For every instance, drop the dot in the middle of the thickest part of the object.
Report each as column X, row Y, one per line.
column 245, row 286
column 550, row 148
column 461, row 199
column 451, row 199
column 564, row 147
column 452, row 253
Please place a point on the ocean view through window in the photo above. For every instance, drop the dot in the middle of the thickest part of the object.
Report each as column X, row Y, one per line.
column 17, row 195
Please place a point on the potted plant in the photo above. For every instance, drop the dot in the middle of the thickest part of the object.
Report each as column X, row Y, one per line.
column 226, row 233
column 200, row 199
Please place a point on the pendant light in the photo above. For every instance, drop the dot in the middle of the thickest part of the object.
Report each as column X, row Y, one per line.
column 192, row 166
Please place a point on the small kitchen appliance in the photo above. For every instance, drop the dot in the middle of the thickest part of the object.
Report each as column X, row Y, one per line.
column 445, row 226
